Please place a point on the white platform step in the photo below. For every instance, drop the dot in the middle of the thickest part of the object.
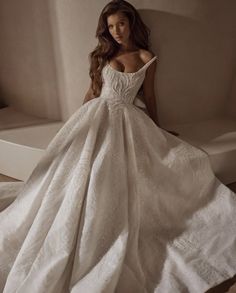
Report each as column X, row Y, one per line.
column 22, row 148
column 11, row 117
column 216, row 137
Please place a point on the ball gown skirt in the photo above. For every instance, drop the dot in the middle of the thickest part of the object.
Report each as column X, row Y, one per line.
column 117, row 204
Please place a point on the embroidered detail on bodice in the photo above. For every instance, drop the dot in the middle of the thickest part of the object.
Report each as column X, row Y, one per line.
column 122, row 86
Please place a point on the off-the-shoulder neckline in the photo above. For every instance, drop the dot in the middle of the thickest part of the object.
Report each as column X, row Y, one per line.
column 108, row 64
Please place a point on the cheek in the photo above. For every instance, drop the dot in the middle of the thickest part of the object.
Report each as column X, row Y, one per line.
column 127, row 32
column 111, row 32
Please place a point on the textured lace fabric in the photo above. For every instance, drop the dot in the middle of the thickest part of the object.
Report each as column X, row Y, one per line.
column 117, row 204
column 122, row 86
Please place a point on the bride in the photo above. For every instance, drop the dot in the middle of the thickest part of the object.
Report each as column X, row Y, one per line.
column 117, row 204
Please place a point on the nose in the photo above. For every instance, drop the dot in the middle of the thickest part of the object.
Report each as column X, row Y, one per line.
column 117, row 30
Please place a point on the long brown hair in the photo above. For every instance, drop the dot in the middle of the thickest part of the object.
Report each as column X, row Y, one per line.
column 107, row 47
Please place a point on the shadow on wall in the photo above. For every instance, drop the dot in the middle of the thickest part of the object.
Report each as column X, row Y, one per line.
column 2, row 102
column 196, row 64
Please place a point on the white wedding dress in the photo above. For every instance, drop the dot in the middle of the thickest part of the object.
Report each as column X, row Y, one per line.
column 117, row 204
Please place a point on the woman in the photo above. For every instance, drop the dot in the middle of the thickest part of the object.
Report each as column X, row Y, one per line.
column 117, row 204
column 117, row 46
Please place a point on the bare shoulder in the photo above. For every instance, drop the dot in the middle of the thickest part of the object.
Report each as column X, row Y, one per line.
column 146, row 55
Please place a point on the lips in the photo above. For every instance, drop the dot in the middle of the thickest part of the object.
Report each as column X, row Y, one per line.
column 118, row 37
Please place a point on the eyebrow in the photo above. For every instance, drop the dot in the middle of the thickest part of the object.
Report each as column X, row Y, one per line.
column 121, row 19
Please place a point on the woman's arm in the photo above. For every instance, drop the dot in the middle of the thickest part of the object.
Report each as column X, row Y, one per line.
column 149, row 95
column 149, row 92
column 89, row 95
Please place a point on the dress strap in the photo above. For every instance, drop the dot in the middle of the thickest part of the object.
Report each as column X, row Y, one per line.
column 145, row 66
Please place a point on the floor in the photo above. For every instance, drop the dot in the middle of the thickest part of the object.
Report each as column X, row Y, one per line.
column 228, row 286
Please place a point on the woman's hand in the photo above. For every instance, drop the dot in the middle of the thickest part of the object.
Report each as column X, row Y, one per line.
column 89, row 95
column 172, row 132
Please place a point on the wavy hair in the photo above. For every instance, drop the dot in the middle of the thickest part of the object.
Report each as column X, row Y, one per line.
column 107, row 47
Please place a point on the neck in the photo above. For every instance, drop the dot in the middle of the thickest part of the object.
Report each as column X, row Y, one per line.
column 127, row 47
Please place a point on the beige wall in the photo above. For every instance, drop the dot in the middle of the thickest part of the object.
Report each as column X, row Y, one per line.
column 73, row 24
column 46, row 45
column 231, row 102
column 195, row 42
column 27, row 73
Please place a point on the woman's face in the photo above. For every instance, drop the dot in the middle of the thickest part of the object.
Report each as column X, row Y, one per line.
column 118, row 26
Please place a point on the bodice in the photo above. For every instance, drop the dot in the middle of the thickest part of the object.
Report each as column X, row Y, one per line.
column 122, row 86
